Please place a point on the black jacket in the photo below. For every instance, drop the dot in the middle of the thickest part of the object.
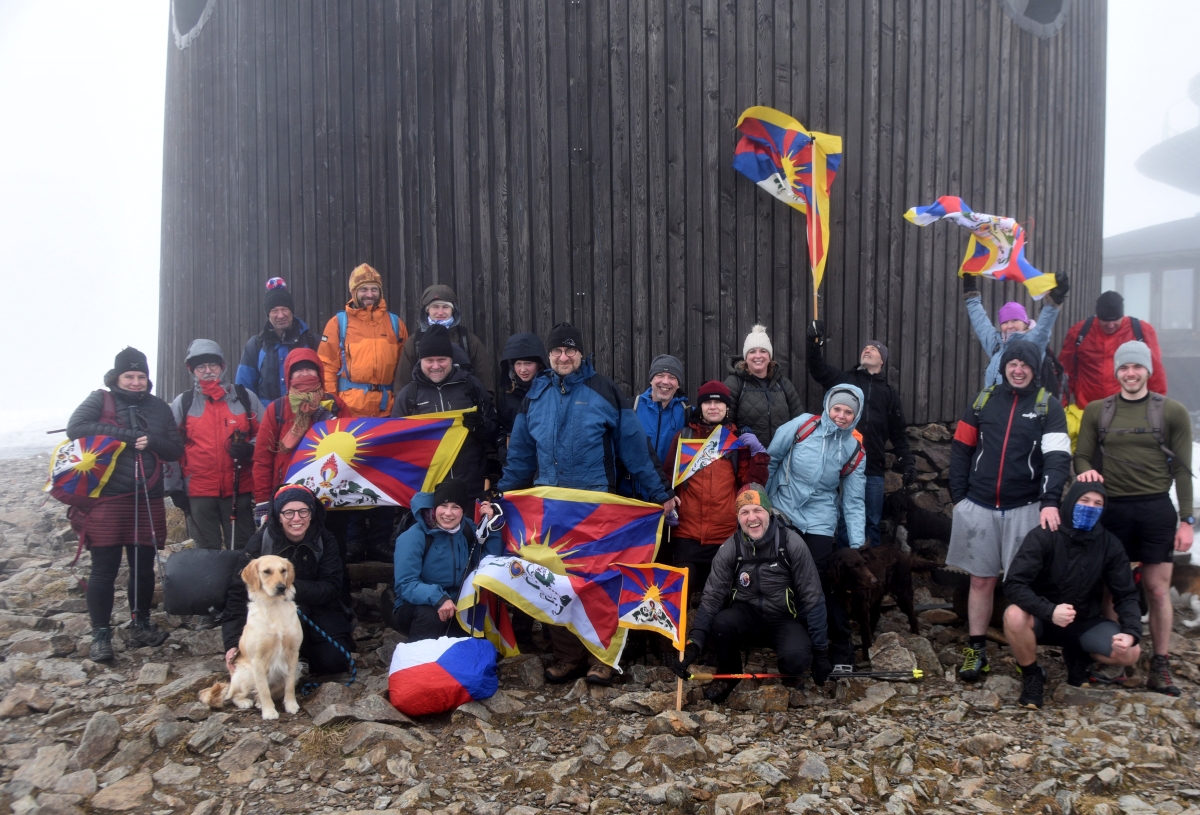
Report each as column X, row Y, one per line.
column 150, row 417
column 1008, row 456
column 762, row 406
column 458, row 391
column 512, row 390
column 776, row 591
column 1074, row 567
column 883, row 415
column 318, row 580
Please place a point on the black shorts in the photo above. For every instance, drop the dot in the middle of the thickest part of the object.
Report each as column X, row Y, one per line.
column 1093, row 636
column 1146, row 524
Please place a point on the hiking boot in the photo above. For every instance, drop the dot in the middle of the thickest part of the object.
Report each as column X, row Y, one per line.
column 1160, row 676
column 975, row 664
column 1100, row 674
column 1077, row 668
column 561, row 672
column 1033, row 688
column 599, row 674
column 144, row 634
column 101, row 650
column 718, row 690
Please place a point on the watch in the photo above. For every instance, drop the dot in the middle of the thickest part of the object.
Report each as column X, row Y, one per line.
column 1190, row 520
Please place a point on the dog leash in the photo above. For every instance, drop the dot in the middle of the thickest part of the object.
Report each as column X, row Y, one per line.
column 309, row 687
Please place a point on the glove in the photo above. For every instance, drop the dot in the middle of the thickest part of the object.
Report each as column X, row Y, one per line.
column 910, row 475
column 260, row 512
column 1059, row 292
column 690, row 655
column 492, row 495
column 969, row 284
column 821, row 666
column 472, row 421
column 816, row 332
column 180, row 499
column 241, row 450
column 751, row 442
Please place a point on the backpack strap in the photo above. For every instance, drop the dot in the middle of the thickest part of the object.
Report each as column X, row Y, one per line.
column 1136, row 325
column 981, row 400
column 277, row 406
column 1156, row 408
column 855, row 459
column 242, row 397
column 108, row 410
column 344, row 382
column 806, row 429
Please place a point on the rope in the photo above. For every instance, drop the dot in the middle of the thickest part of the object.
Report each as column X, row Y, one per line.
column 309, row 687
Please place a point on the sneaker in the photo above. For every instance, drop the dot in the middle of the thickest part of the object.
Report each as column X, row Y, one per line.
column 145, row 634
column 1160, row 676
column 599, row 674
column 101, row 650
column 975, row 664
column 1033, row 690
column 561, row 672
column 1100, row 674
column 718, row 690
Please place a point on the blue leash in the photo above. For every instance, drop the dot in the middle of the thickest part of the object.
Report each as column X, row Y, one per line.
column 309, row 687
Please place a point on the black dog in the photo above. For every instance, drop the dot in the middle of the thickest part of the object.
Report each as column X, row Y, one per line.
column 861, row 577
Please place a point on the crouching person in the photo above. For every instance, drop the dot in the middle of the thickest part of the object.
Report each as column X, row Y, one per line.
column 1056, row 584
column 295, row 530
column 433, row 556
column 763, row 586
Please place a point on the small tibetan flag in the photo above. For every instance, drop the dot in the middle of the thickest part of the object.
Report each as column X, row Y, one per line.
column 654, row 598
column 81, row 467
column 696, row 454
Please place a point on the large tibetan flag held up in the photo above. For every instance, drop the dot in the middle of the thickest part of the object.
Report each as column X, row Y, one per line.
column 795, row 165
column 654, row 598
column 366, row 463
column 997, row 246
column 81, row 467
column 696, row 454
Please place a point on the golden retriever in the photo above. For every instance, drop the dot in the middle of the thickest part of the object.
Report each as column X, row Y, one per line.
column 269, row 648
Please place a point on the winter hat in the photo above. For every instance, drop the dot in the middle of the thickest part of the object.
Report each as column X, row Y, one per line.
column 714, row 390
column 202, row 351
column 840, row 396
column 667, row 364
column 757, row 338
column 435, row 342
column 752, row 494
column 880, row 347
column 565, row 335
column 452, row 491
column 279, row 295
column 438, row 291
column 1133, row 352
column 293, row 492
column 1110, row 306
column 1012, row 311
column 364, row 275
column 130, row 359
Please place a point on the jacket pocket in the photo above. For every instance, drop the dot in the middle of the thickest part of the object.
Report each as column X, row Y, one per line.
column 790, row 598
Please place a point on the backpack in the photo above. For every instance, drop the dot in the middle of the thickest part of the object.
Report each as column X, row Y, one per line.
column 189, row 398
column 1052, row 374
column 343, row 373
column 808, row 427
column 1155, row 414
column 1041, row 406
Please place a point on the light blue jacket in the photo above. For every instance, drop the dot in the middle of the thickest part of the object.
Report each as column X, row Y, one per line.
column 805, row 477
column 428, row 579
column 994, row 342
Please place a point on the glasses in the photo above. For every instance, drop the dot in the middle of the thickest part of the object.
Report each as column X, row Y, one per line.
column 289, row 514
column 208, row 366
column 564, row 352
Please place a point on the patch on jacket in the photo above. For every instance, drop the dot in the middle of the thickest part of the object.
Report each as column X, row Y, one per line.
column 324, row 338
column 744, row 579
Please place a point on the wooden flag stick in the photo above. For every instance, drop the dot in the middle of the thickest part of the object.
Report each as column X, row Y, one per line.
column 815, row 306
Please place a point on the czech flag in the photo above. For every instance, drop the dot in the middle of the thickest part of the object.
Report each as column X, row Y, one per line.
column 433, row 676
column 654, row 598
column 81, row 467
column 696, row 454
column 996, row 248
column 366, row 463
column 795, row 165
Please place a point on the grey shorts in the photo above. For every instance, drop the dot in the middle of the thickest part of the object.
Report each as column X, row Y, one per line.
column 1092, row 636
column 983, row 541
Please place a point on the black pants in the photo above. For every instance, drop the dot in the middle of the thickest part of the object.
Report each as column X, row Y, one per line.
column 741, row 625
column 322, row 656
column 208, row 523
column 697, row 558
column 837, row 618
column 422, row 623
column 106, row 562
column 369, row 534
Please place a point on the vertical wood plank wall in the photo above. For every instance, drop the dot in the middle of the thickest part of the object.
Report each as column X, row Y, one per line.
column 570, row 160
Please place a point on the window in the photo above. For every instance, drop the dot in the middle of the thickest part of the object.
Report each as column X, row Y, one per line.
column 1178, row 299
column 1136, row 290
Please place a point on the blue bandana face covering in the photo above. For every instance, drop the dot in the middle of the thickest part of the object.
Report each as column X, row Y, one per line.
column 1084, row 517
column 447, row 322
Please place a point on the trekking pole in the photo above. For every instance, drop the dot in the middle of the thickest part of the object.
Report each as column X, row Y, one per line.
column 137, row 462
column 149, row 514
column 915, row 673
column 238, row 436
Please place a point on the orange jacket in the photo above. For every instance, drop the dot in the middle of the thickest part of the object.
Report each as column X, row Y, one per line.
column 372, row 351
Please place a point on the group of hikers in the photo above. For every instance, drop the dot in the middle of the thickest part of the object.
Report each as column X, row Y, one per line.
column 756, row 528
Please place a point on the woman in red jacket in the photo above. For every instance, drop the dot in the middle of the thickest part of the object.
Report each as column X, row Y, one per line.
column 706, row 510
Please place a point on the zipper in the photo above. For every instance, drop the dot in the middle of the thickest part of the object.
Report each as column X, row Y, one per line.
column 1004, row 448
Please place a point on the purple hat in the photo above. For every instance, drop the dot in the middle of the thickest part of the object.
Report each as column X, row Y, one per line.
column 1012, row 311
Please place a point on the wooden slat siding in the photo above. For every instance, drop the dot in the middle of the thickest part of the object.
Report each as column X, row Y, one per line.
column 480, row 280
column 599, row 301
column 871, row 318
column 620, row 206
column 377, row 122
column 690, row 322
column 887, row 168
column 938, row 16
column 847, row 277
column 747, row 194
column 765, row 209
column 578, row 129
column 639, row 178
column 952, row 348
column 459, row 171
column 709, row 363
column 728, row 190
column 775, row 83
column 503, row 306
column 294, row 189
column 677, row 167
column 513, row 201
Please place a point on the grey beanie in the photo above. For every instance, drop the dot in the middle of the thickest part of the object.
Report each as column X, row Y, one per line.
column 844, row 397
column 667, row 364
column 1133, row 352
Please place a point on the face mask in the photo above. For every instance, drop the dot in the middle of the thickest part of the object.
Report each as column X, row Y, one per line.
column 1084, row 517
column 449, row 321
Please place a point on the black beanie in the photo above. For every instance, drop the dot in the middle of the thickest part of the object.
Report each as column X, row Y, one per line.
column 130, row 359
column 565, row 335
column 278, row 294
column 452, row 491
column 435, row 342
column 1110, row 306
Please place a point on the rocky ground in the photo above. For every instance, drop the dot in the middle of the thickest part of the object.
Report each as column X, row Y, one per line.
column 78, row 736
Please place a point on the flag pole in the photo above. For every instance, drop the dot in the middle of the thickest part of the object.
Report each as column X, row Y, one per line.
column 683, row 632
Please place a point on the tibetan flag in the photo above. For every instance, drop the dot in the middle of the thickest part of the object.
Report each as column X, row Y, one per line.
column 366, row 463
column 654, row 598
column 795, row 165
column 81, row 467
column 434, row 676
column 997, row 246
column 696, row 454
column 481, row 614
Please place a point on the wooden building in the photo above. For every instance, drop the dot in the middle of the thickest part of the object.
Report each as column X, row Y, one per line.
column 570, row 160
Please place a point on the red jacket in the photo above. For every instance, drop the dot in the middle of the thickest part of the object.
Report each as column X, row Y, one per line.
column 706, row 512
column 207, row 429
column 1089, row 368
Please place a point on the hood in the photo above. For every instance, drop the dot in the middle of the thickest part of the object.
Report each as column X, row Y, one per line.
column 525, row 345
column 851, row 389
column 422, row 512
column 1025, row 351
column 1067, row 507
column 438, row 291
column 202, row 348
column 301, row 355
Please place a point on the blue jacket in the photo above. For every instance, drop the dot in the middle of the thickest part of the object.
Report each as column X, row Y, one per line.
column 661, row 423
column 260, row 369
column 994, row 342
column 572, row 431
column 804, row 478
column 429, row 579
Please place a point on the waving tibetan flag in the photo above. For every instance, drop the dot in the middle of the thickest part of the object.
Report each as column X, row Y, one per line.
column 696, row 454
column 365, row 463
column 997, row 246
column 654, row 598
column 81, row 467
column 795, row 165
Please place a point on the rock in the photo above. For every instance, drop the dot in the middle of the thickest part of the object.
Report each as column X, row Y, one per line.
column 176, row 774
column 1019, row 761
column 208, row 735
column 368, row 734
column 533, row 673
column 564, row 795
column 99, row 739
column 328, row 693
column 66, row 672
column 877, row 694
column 672, row 793
column 982, row 700
column 813, row 768
column 79, row 783
column 807, row 803
column 752, row 754
column 561, row 769
column 410, row 797
column 939, row 616
column 739, row 803
column 191, row 682
column 764, row 699
column 1132, row 805
column 673, row 722
column 501, row 703
column 717, row 744
column 594, row 745
column 927, row 659
column 475, row 709
column 1109, row 776
column 1069, row 696
column 153, row 673
column 681, row 747
column 167, row 733
column 984, row 744
column 1006, row 687
column 241, row 755
column 890, row 653
column 885, row 738
column 648, row 703
column 23, row 700
column 130, row 752
column 42, row 645
column 49, row 803
column 768, row 773
column 44, row 769
column 124, row 794
column 370, row 708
